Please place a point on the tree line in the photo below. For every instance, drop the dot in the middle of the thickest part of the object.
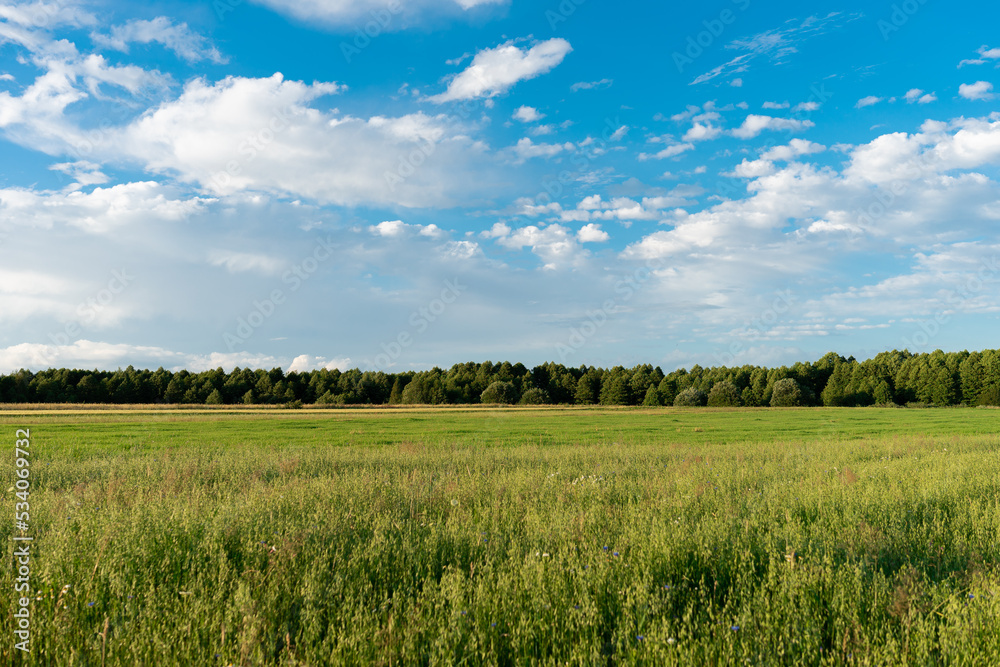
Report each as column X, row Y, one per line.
column 900, row 378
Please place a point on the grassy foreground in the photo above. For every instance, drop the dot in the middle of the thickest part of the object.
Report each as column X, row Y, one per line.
column 552, row 536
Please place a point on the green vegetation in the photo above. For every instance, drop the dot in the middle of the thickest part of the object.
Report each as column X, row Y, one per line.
column 901, row 378
column 513, row 536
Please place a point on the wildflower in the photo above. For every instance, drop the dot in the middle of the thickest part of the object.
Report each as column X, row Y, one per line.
column 639, row 637
column 454, row 502
column 971, row 596
column 734, row 628
column 91, row 604
column 671, row 640
column 615, row 554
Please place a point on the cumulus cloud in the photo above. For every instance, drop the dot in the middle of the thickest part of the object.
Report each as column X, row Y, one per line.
column 918, row 96
column 495, row 71
column 527, row 115
column 980, row 90
column 526, row 149
column 305, row 363
column 755, row 124
column 398, row 228
column 699, row 132
column 100, row 211
column 592, row 233
column 263, row 134
column 794, row 149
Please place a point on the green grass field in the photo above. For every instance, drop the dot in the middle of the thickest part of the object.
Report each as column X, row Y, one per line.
column 511, row 537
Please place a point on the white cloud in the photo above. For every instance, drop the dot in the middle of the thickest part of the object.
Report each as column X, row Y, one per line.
column 962, row 144
column 736, row 83
column 592, row 233
column 83, row 173
column 699, row 132
column 555, row 244
column 243, row 262
column 918, row 96
column 527, row 115
column 494, row 71
column 398, row 228
column 620, row 133
column 755, row 124
column 775, row 105
column 526, row 149
column 100, row 211
column 776, row 45
column 754, row 168
column 397, row 15
column 179, row 38
column 263, row 135
column 985, row 54
column 980, row 90
column 91, row 354
column 305, row 363
column 794, row 149
column 591, row 85
column 867, row 102
column 806, row 106
column 668, row 152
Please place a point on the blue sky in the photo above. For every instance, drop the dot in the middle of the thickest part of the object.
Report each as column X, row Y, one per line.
column 407, row 183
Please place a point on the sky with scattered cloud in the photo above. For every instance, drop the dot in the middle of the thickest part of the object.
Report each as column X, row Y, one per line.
column 402, row 184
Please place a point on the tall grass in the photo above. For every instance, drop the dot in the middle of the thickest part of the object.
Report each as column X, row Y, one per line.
column 514, row 537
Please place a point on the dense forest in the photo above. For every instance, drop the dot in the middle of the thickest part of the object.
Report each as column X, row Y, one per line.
column 891, row 378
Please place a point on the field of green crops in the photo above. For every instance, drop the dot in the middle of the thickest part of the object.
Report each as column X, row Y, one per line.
column 509, row 537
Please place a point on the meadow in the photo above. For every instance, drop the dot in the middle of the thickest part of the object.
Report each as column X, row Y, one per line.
column 550, row 536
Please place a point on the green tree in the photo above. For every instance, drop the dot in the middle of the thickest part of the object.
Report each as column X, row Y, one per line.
column 588, row 388
column 215, row 398
column 786, row 393
column 690, row 398
column 534, row 396
column 499, row 392
column 724, row 394
column 653, row 398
